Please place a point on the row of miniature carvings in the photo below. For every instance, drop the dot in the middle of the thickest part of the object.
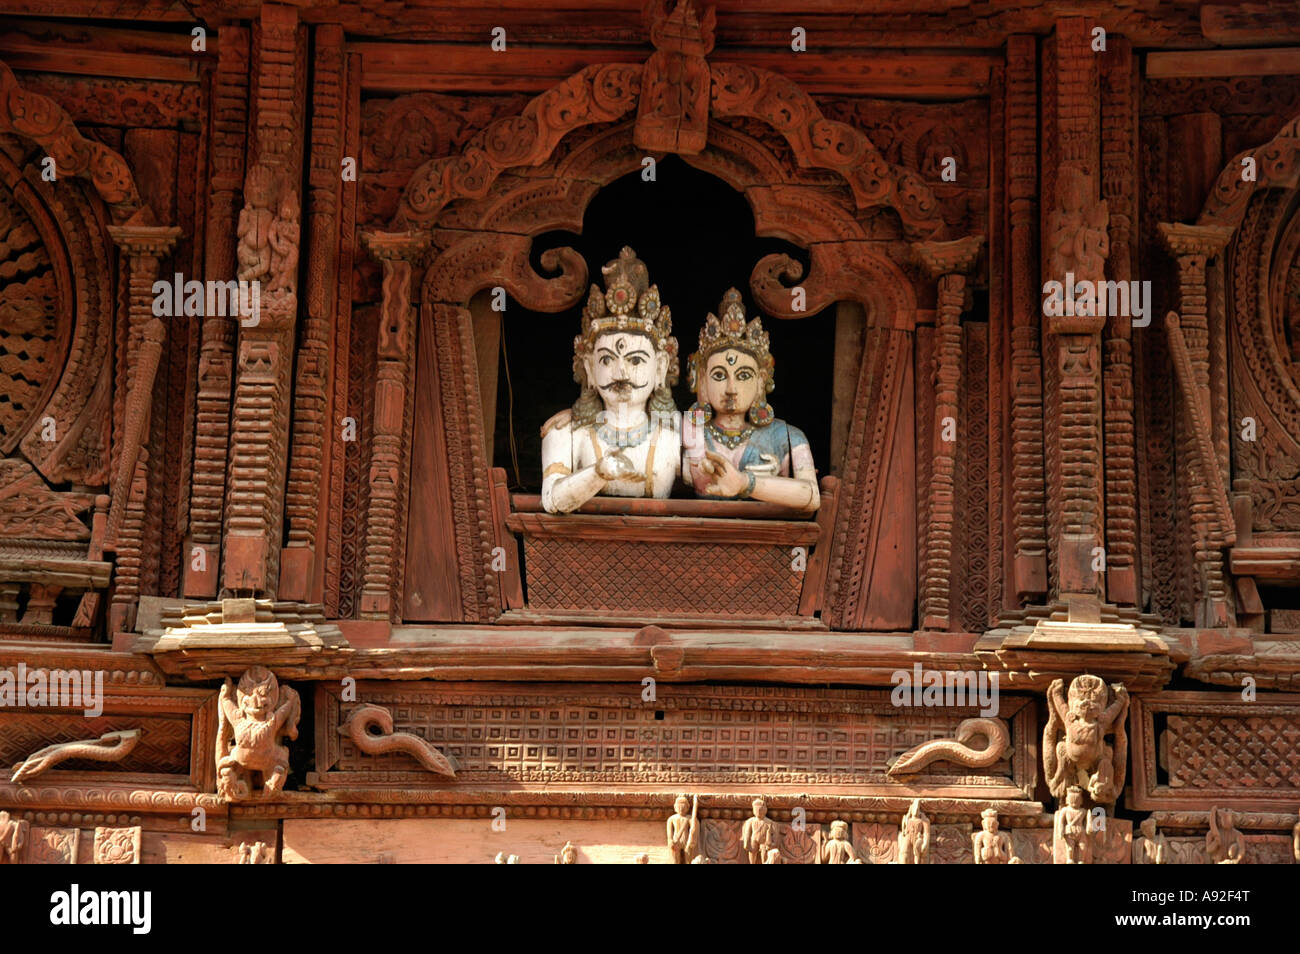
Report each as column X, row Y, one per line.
column 1077, row 836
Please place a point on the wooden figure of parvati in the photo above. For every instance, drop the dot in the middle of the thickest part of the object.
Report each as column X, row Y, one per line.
column 622, row 437
column 733, row 445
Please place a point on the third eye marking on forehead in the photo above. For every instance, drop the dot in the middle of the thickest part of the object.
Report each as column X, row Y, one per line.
column 620, row 346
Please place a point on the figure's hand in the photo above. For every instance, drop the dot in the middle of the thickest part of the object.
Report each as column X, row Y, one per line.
column 615, row 466
column 727, row 480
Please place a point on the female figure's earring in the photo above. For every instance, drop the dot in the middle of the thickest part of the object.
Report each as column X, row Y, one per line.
column 761, row 413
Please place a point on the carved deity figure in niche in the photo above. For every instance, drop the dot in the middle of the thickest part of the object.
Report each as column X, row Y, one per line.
column 13, row 836
column 253, row 718
column 568, row 855
column 1224, row 844
column 914, row 836
column 1077, row 230
column 1075, row 750
column 255, row 225
column 1072, row 828
column 283, row 238
column 838, row 850
column 733, row 446
column 992, row 846
column 684, row 830
column 758, row 834
column 1152, row 847
column 622, row 437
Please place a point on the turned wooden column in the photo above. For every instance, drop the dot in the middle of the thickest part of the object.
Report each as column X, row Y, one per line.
column 1205, row 499
column 401, row 254
column 143, row 247
column 947, row 263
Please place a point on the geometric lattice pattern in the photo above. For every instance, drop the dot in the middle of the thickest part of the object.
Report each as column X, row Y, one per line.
column 1246, row 752
column 163, row 747
column 702, row 579
column 715, row 736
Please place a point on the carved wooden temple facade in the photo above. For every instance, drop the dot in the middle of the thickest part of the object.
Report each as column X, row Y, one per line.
column 287, row 290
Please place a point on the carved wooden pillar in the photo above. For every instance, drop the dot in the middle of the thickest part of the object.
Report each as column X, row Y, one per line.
column 143, row 246
column 1204, row 498
column 947, row 262
column 1076, row 245
column 267, row 253
column 1119, row 161
column 401, row 254
column 313, row 367
column 1028, row 493
column 229, row 118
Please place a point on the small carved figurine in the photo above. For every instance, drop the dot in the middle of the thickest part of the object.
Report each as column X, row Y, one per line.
column 914, row 836
column 684, row 830
column 992, row 846
column 1224, row 844
column 257, row 853
column 13, row 836
column 622, row 437
column 733, row 446
column 773, row 857
column 758, row 833
column 838, row 850
column 1152, row 847
column 255, row 222
column 283, row 239
column 1075, row 750
column 568, row 855
column 643, row 858
column 252, row 720
column 1072, row 828
column 503, row 859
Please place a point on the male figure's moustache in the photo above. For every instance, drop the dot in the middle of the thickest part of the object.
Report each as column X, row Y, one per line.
column 622, row 385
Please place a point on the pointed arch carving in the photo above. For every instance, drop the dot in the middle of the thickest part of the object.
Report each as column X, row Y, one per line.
column 44, row 122
column 1277, row 166
column 603, row 93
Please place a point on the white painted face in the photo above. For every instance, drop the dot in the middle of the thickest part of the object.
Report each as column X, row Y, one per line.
column 624, row 368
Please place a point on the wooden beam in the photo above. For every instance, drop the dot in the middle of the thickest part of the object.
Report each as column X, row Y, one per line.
column 103, row 51
column 1251, row 24
column 444, row 67
column 1267, row 563
column 1207, row 63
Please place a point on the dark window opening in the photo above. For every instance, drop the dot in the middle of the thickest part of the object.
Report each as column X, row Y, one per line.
column 696, row 235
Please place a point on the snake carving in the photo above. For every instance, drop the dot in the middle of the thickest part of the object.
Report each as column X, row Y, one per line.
column 358, row 726
column 958, row 750
column 109, row 747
